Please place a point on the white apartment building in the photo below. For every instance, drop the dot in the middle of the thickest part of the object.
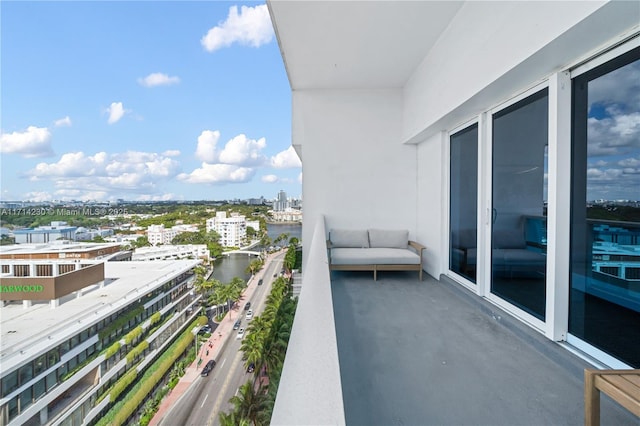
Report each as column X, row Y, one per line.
column 169, row 252
column 158, row 234
column 232, row 230
column 287, row 215
column 467, row 123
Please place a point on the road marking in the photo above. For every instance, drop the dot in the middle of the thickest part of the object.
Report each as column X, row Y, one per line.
column 205, row 398
column 222, row 363
column 225, row 385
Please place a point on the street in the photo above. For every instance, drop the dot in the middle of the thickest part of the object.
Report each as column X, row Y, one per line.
column 206, row 397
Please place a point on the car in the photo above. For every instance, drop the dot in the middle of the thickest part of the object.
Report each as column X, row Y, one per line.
column 207, row 368
column 237, row 324
column 260, row 281
column 249, row 314
column 251, row 368
column 275, row 275
column 240, row 334
column 247, row 306
column 204, row 330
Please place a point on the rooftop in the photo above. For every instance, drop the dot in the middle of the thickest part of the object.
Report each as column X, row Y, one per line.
column 30, row 331
column 428, row 352
column 54, row 247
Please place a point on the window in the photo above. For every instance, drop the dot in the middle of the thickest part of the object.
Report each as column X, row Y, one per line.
column 604, row 308
column 519, row 147
column 463, row 202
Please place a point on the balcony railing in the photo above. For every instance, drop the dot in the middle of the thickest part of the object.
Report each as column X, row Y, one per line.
column 310, row 389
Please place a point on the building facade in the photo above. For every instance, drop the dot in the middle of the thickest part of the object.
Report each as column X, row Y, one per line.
column 487, row 129
column 45, row 234
column 232, row 230
column 185, row 251
column 73, row 329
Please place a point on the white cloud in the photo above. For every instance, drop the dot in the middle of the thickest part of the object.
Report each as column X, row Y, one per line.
column 38, row 196
column 134, row 171
column 251, row 27
column 206, row 150
column 33, row 142
column 218, row 173
column 158, row 79
column 242, row 151
column 286, row 159
column 63, row 122
column 171, row 153
column 116, row 112
column 269, row 179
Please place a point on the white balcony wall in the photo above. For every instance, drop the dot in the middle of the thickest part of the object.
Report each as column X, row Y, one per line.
column 493, row 50
column 355, row 171
column 430, row 199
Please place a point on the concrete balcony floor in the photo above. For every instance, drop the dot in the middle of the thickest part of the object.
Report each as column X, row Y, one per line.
column 432, row 353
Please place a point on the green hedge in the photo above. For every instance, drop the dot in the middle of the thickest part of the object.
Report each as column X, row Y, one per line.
column 123, row 383
column 155, row 318
column 112, row 350
column 131, row 336
column 133, row 353
column 123, row 409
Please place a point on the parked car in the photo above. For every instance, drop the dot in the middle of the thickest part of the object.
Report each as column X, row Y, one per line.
column 249, row 314
column 207, row 368
column 247, row 306
column 240, row 334
column 237, row 324
column 260, row 281
column 205, row 329
column 251, row 368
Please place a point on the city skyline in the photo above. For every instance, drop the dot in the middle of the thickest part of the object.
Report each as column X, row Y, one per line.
column 143, row 101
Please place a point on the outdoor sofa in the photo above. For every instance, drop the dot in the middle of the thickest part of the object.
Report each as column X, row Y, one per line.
column 373, row 250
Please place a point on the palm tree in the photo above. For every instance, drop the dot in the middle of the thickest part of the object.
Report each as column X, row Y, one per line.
column 238, row 282
column 252, row 347
column 259, row 325
column 249, row 404
column 232, row 419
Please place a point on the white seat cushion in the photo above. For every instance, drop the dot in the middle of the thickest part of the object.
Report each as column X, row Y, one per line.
column 373, row 256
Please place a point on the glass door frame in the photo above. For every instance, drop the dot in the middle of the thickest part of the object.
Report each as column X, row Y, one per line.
column 474, row 287
column 485, row 212
column 577, row 71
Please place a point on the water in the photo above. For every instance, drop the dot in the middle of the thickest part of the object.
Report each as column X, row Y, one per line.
column 227, row 267
column 294, row 230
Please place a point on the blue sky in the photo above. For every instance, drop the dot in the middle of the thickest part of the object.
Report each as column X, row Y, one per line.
column 143, row 101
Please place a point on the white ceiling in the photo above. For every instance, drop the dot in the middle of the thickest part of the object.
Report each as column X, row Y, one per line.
column 354, row 44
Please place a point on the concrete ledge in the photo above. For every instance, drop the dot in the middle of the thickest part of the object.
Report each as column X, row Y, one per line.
column 310, row 390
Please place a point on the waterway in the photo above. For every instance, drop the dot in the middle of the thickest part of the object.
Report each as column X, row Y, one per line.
column 226, row 268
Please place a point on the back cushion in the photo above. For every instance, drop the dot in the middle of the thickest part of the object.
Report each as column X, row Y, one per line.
column 508, row 239
column 356, row 238
column 388, row 238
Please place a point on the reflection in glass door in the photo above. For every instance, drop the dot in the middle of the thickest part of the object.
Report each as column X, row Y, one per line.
column 604, row 297
column 518, row 237
column 464, row 203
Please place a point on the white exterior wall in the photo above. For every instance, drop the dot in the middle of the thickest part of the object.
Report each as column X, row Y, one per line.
column 430, row 200
column 493, row 50
column 354, row 170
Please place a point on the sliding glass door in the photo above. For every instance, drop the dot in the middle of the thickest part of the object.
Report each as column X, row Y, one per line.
column 463, row 203
column 604, row 308
column 518, row 213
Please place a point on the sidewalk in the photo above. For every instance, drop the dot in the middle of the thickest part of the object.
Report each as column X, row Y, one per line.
column 216, row 343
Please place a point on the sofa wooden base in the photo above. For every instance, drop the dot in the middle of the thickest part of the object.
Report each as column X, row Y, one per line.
column 376, row 268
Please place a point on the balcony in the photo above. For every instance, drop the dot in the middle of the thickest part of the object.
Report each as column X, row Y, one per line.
column 405, row 352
